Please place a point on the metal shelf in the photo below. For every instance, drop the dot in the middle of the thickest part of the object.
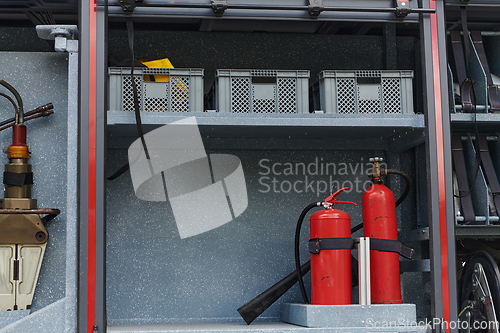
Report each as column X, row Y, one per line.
column 486, row 122
column 477, row 231
column 298, row 131
column 329, row 125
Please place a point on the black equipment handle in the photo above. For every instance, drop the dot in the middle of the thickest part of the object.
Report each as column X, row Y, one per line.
column 259, row 304
column 250, row 311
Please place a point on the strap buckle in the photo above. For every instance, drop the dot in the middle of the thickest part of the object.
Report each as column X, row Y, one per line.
column 219, row 7
column 402, row 8
column 315, row 7
column 318, row 244
column 128, row 6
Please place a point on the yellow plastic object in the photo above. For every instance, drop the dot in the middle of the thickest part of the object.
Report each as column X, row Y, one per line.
column 160, row 63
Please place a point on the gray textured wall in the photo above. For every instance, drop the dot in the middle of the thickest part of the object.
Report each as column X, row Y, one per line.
column 219, row 50
column 153, row 276
column 41, row 78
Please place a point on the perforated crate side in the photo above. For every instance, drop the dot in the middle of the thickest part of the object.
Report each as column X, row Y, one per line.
column 370, row 91
column 246, row 91
column 302, row 94
column 115, row 89
column 183, row 91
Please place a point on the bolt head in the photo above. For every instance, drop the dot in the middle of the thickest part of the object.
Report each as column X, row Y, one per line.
column 60, row 32
column 40, row 236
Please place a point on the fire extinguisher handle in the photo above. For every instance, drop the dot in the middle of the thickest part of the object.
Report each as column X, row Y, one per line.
column 331, row 198
column 343, row 202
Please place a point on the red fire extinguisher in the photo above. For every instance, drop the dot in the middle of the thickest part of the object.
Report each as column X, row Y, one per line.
column 380, row 224
column 330, row 247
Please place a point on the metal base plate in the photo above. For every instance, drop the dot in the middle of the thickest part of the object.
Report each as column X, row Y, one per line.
column 350, row 316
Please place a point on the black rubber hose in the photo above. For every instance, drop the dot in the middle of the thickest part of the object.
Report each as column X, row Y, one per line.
column 401, row 198
column 10, row 100
column 41, row 109
column 297, row 254
column 20, row 111
column 356, row 228
column 407, row 181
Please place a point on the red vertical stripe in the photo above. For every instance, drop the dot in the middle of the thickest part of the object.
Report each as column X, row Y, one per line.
column 440, row 166
column 91, row 167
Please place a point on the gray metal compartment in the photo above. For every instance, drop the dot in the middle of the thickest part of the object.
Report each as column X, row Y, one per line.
column 156, row 279
column 41, row 78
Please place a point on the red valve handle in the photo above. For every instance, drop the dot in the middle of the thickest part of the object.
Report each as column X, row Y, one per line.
column 331, row 198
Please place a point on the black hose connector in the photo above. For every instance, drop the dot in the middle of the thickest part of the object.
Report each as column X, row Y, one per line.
column 407, row 184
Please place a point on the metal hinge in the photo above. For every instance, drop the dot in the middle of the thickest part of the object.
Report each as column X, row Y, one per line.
column 129, row 5
column 315, row 7
column 219, row 7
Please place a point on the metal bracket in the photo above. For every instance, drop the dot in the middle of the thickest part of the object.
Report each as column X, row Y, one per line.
column 315, row 7
column 50, row 32
column 402, row 8
column 62, row 35
column 219, row 7
column 363, row 246
column 128, row 6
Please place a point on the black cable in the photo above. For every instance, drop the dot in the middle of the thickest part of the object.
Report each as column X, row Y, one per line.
column 137, row 111
column 130, row 32
column 10, row 100
column 20, row 110
column 356, row 228
column 407, row 181
column 41, row 109
column 297, row 253
column 398, row 202
column 119, row 172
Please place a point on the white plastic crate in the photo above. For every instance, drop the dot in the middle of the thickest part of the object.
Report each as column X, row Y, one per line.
column 261, row 91
column 365, row 92
column 182, row 93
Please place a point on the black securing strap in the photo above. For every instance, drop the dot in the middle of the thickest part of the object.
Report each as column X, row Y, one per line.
column 385, row 245
column 462, row 180
column 318, row 244
column 389, row 245
column 17, row 179
column 493, row 90
column 489, row 171
column 463, row 75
